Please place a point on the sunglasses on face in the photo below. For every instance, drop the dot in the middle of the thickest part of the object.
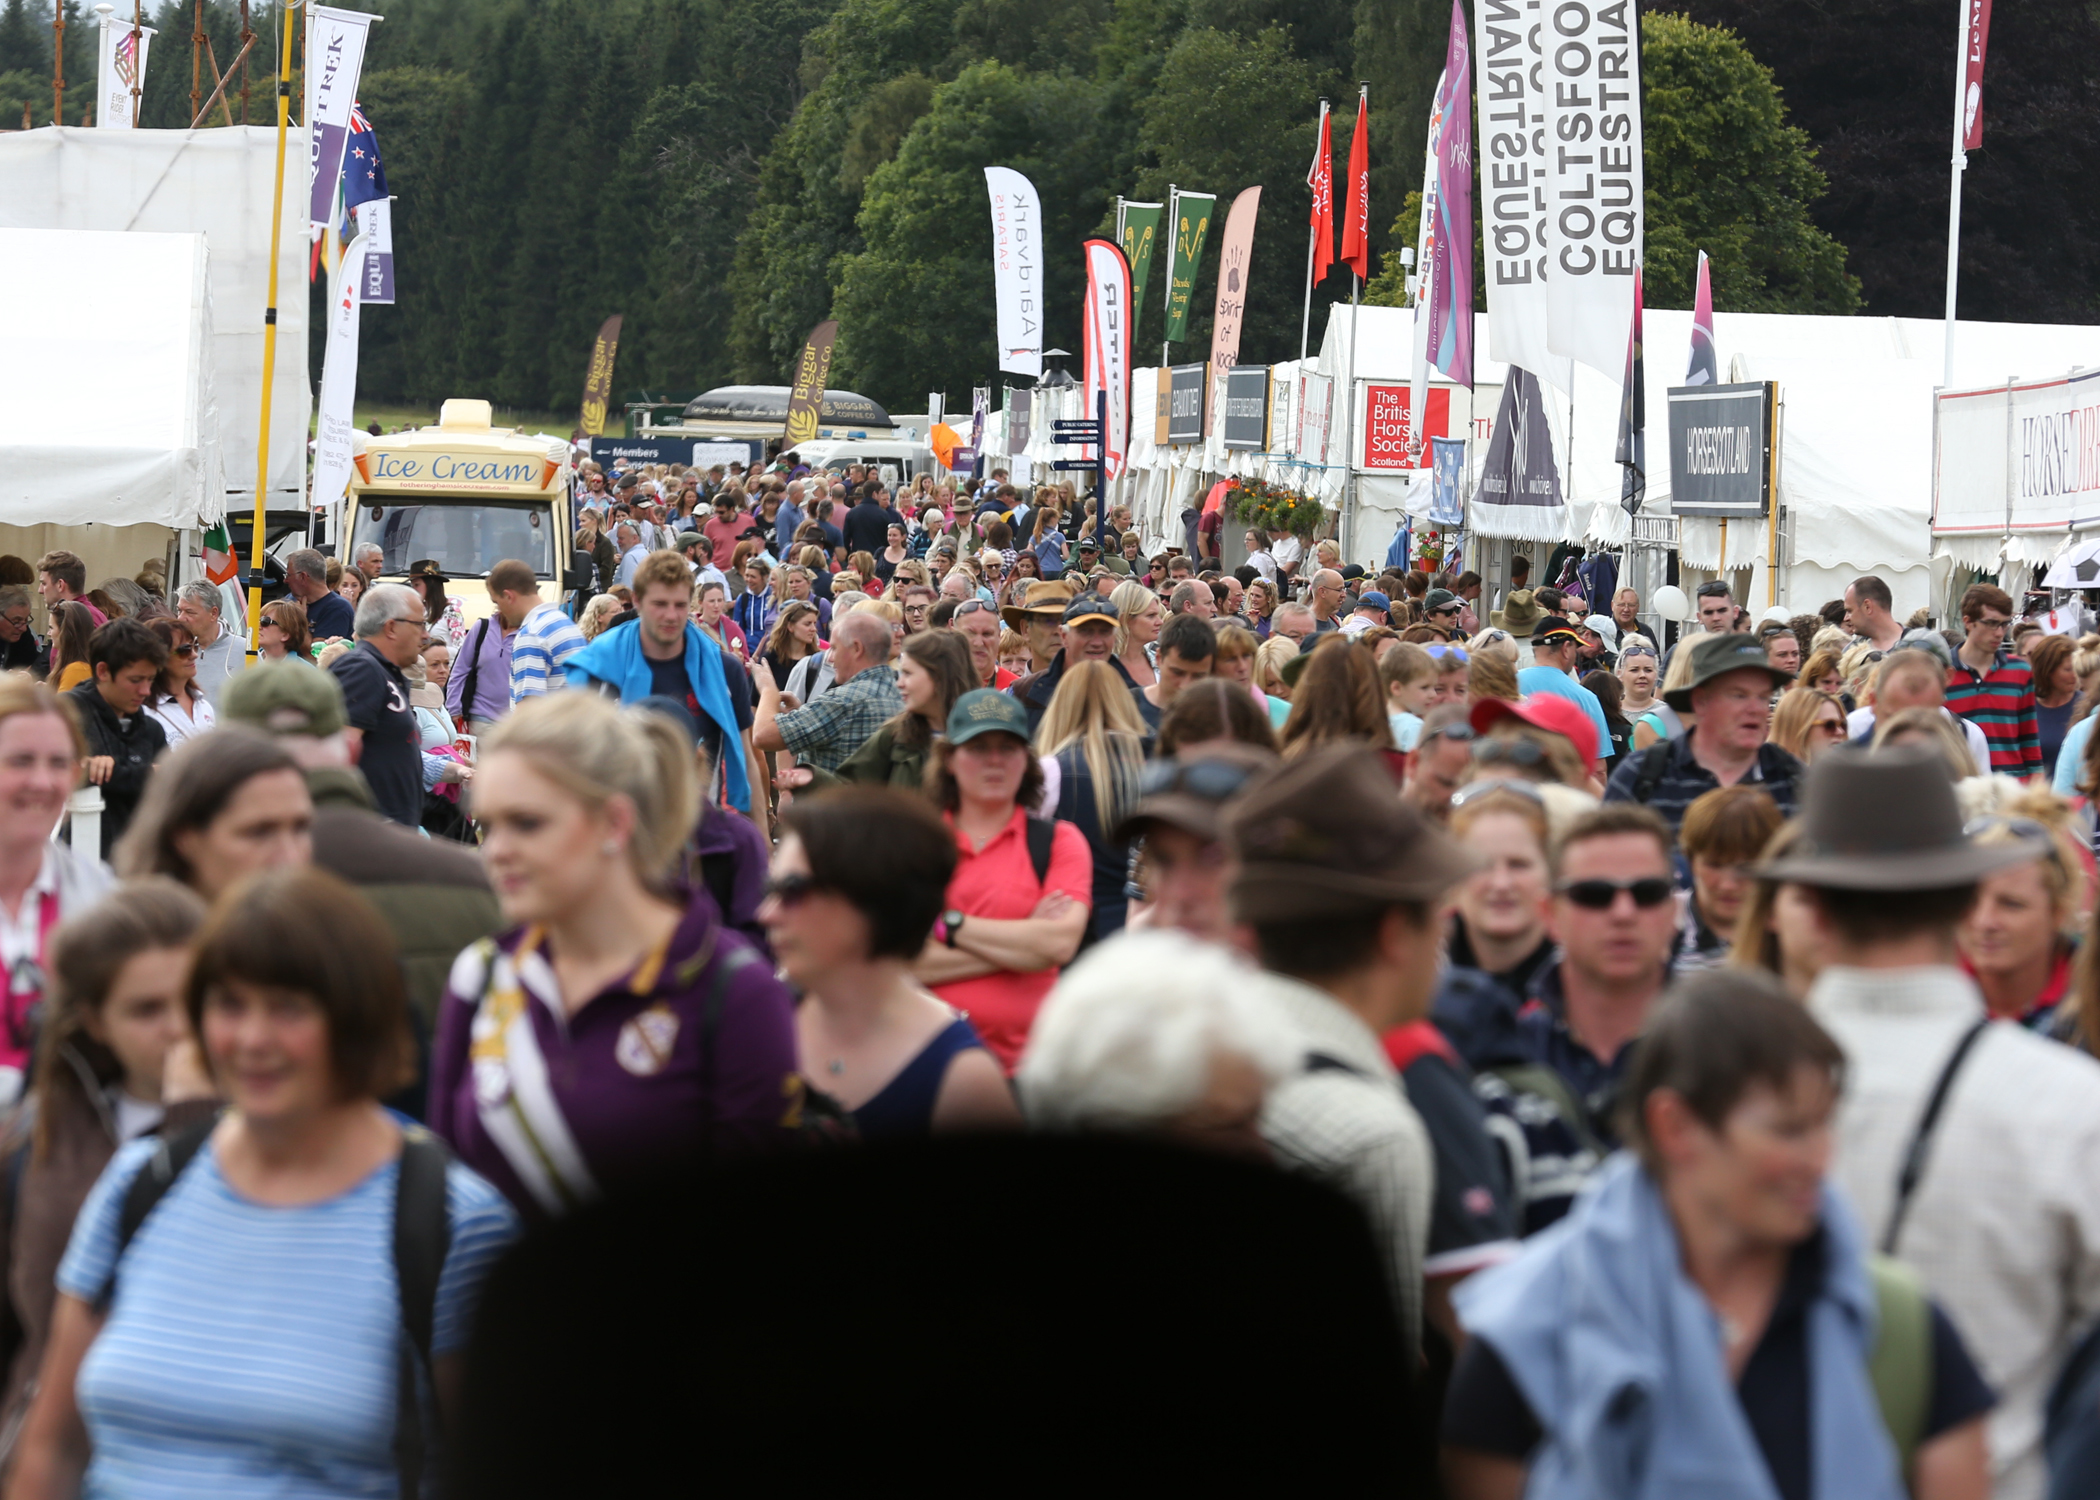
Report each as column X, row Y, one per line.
column 1648, row 892
column 1829, row 726
column 184, row 651
column 789, row 889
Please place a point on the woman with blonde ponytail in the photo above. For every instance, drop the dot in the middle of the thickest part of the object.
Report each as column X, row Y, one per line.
column 618, row 1027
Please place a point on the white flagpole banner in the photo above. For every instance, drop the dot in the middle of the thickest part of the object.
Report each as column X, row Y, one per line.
column 332, row 453
column 1107, row 349
column 1514, row 161
column 1425, row 255
column 375, row 221
column 1594, row 182
column 117, row 70
column 335, row 57
column 1017, row 269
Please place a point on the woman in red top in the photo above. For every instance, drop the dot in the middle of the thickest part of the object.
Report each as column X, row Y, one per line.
column 1007, row 929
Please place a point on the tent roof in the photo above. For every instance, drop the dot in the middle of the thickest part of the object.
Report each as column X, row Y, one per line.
column 1856, row 423
column 106, row 406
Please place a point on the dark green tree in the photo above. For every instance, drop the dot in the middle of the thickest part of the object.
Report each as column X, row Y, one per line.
column 916, row 307
column 25, row 45
column 1728, row 175
column 1226, row 113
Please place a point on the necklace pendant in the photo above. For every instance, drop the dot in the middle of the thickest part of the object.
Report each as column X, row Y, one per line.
column 838, row 1066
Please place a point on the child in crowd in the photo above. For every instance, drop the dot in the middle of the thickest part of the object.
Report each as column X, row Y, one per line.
column 1410, row 678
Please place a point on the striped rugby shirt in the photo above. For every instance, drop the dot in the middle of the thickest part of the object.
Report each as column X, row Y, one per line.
column 2000, row 703
column 539, row 651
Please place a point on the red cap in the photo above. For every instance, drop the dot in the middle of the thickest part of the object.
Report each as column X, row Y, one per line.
column 1545, row 711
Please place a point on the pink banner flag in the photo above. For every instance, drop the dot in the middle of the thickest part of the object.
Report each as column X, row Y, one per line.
column 1705, row 366
column 1973, row 45
column 1449, row 275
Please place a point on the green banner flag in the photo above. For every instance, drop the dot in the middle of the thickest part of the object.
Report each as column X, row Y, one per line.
column 1191, row 221
column 1137, row 231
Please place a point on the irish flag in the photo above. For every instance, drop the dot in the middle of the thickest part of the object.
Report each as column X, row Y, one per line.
column 219, row 564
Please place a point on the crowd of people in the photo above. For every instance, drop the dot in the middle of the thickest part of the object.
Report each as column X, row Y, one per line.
column 1701, row 1032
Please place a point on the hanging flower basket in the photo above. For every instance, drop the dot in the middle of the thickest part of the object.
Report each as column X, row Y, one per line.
column 1255, row 502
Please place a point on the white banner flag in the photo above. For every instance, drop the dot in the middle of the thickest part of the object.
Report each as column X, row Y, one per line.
column 1594, row 184
column 1514, row 161
column 1107, row 348
column 120, row 66
column 376, row 220
column 335, row 57
column 1017, row 269
column 332, row 461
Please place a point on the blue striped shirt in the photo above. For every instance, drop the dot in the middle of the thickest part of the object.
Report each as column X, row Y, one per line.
column 538, row 652
column 252, row 1350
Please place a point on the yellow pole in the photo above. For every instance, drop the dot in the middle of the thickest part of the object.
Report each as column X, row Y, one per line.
column 262, row 447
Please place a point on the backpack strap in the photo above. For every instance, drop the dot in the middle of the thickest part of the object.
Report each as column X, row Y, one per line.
column 1920, row 1148
column 1539, row 1080
column 1654, row 762
column 1321, row 1062
column 1901, row 1362
column 466, row 694
column 155, row 1178
column 422, row 1238
column 730, row 961
column 1042, row 837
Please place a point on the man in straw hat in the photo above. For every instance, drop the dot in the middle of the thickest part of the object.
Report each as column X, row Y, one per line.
column 1086, row 632
column 1038, row 617
column 1967, row 1148
column 1730, row 690
column 1340, row 883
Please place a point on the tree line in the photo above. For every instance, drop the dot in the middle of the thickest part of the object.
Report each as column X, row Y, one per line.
column 727, row 174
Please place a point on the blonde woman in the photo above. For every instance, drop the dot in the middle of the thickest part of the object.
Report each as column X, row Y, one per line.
column 1091, row 741
column 1807, row 721
column 562, row 1029
column 1275, row 653
column 2020, row 938
column 1663, row 722
column 1139, row 616
column 1928, row 726
column 597, row 615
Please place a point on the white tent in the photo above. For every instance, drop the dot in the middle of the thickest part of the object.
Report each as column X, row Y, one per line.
column 216, row 183
column 107, row 412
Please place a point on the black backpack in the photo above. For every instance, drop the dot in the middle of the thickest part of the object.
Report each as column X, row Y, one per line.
column 422, row 1237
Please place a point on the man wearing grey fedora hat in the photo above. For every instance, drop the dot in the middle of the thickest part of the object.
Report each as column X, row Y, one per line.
column 1966, row 1147
column 1730, row 691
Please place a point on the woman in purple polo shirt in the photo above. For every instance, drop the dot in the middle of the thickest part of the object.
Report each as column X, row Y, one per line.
column 618, row 1027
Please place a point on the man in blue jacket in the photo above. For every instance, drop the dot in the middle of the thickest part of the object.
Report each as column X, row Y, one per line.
column 662, row 653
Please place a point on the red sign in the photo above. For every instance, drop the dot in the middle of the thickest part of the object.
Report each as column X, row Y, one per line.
column 1976, row 38
column 1387, row 434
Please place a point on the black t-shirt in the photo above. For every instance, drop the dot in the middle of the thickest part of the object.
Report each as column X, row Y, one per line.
column 375, row 696
column 1471, row 1207
column 668, row 679
column 1484, row 1409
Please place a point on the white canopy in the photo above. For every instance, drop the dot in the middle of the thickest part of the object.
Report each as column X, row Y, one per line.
column 216, row 183
column 106, row 404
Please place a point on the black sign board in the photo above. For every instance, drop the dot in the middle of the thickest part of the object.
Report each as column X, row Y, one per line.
column 1183, row 388
column 1721, row 448
column 1247, row 408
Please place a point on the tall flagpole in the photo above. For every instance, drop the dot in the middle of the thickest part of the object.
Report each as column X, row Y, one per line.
column 1166, row 306
column 1356, row 287
column 269, row 370
column 1312, row 239
column 1959, row 165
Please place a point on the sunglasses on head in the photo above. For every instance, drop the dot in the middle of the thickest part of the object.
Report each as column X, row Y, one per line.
column 1445, row 652
column 1648, row 892
column 968, row 607
column 1212, row 780
column 2019, row 828
column 1475, row 790
column 1526, row 753
column 1633, row 651
column 1460, row 733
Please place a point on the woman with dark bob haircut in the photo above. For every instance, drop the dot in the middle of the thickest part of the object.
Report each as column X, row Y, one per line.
column 1704, row 1318
column 859, row 880
column 254, row 1333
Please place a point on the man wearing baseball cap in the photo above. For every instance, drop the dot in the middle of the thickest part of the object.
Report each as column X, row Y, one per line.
column 1600, row 644
column 1188, row 867
column 1730, row 691
column 434, row 894
column 1553, row 652
column 1341, row 884
column 1087, row 632
column 1440, row 611
column 1371, row 607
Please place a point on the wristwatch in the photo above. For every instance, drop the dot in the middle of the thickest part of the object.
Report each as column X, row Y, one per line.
column 951, row 922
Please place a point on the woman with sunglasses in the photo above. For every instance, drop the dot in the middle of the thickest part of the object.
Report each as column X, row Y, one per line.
column 1807, row 721
column 859, row 880
column 283, row 633
column 1638, row 668
column 178, row 704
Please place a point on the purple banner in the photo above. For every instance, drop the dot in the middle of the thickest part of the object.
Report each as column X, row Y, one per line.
column 1450, row 273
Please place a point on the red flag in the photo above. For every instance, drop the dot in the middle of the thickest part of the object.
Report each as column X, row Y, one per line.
column 1356, row 220
column 1976, row 37
column 1321, row 180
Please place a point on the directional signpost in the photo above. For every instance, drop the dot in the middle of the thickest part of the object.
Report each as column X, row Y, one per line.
column 1083, row 435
